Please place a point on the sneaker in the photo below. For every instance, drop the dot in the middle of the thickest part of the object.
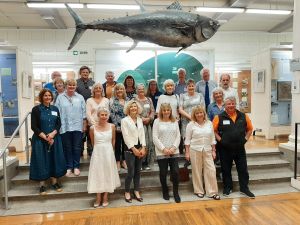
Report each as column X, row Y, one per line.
column 57, row 187
column 248, row 193
column 76, row 172
column 227, row 192
column 69, row 173
column 43, row 190
column 147, row 168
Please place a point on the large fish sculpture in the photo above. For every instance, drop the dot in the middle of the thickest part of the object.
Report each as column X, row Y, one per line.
column 168, row 28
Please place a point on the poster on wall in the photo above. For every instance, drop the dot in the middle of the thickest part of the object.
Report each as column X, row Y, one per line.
column 8, row 75
column 259, row 81
column 26, row 85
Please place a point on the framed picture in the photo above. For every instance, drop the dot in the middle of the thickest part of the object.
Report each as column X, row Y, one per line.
column 259, row 81
column 26, row 85
column 284, row 90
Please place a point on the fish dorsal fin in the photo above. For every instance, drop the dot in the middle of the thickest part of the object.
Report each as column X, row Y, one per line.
column 141, row 6
column 175, row 5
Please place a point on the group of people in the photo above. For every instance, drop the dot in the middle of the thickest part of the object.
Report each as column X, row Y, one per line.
column 126, row 125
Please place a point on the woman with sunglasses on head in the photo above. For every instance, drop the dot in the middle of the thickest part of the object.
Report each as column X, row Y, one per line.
column 200, row 150
column 166, row 138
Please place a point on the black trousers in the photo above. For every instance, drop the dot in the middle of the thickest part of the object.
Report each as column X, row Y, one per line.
column 134, row 165
column 119, row 146
column 227, row 156
column 86, row 137
column 163, row 172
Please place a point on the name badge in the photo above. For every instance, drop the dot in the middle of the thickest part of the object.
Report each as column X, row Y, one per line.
column 226, row 122
column 90, row 87
column 185, row 89
column 146, row 106
column 53, row 113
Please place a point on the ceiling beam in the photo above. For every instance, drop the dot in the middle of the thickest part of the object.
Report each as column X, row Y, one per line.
column 52, row 18
column 232, row 3
column 283, row 26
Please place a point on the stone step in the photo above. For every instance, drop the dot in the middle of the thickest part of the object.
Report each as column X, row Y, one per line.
column 79, row 187
column 257, row 154
column 44, row 205
column 253, row 166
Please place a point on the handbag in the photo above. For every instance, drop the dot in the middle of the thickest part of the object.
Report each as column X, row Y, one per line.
column 183, row 173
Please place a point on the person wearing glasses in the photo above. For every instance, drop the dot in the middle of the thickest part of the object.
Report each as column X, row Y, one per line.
column 84, row 87
column 59, row 85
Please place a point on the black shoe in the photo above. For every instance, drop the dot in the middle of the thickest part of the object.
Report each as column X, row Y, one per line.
column 140, row 199
column 57, row 187
column 227, row 192
column 248, row 193
column 43, row 190
column 177, row 198
column 128, row 200
column 166, row 196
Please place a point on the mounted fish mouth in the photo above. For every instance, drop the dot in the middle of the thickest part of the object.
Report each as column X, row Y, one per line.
column 167, row 28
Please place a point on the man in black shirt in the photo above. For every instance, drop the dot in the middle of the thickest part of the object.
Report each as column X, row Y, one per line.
column 84, row 86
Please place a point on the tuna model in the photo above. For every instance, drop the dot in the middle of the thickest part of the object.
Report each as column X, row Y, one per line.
column 168, row 28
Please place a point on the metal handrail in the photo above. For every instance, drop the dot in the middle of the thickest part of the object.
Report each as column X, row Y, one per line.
column 296, row 150
column 3, row 155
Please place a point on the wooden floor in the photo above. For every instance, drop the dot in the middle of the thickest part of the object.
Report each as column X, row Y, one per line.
column 274, row 209
column 281, row 209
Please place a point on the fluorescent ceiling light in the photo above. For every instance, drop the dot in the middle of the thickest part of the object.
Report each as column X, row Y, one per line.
column 54, row 5
column 222, row 10
column 269, row 11
column 46, row 5
column 76, row 6
column 105, row 6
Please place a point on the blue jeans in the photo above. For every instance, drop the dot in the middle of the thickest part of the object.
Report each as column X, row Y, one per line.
column 71, row 141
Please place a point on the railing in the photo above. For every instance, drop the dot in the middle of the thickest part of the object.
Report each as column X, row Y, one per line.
column 296, row 150
column 3, row 155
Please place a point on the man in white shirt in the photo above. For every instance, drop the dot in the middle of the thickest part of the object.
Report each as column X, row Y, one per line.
column 206, row 86
column 227, row 90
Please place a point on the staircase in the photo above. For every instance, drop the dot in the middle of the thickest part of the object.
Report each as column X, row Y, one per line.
column 269, row 174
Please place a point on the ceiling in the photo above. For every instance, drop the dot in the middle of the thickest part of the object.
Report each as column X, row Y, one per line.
column 14, row 14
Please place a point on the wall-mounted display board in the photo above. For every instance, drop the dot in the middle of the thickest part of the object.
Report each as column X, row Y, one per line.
column 9, row 92
column 244, row 90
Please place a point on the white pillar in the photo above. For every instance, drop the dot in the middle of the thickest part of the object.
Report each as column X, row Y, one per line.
column 296, row 76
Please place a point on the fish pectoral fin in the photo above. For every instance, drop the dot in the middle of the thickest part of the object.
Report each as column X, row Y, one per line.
column 184, row 29
column 182, row 48
column 142, row 8
column 135, row 43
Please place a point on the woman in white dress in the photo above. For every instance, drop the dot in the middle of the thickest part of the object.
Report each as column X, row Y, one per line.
column 103, row 174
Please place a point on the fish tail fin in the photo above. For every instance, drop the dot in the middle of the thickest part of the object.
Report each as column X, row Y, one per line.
column 80, row 27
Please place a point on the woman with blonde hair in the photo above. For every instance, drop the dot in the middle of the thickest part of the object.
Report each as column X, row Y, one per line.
column 200, row 150
column 147, row 116
column 103, row 174
column 166, row 138
column 71, row 106
column 134, row 138
column 116, row 105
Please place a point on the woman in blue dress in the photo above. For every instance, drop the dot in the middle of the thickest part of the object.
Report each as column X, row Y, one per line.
column 47, row 157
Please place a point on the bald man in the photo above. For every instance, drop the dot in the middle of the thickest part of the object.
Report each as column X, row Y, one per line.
column 50, row 85
column 206, row 86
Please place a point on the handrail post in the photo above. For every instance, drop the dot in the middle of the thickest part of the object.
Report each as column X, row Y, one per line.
column 296, row 150
column 27, row 145
column 5, row 180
